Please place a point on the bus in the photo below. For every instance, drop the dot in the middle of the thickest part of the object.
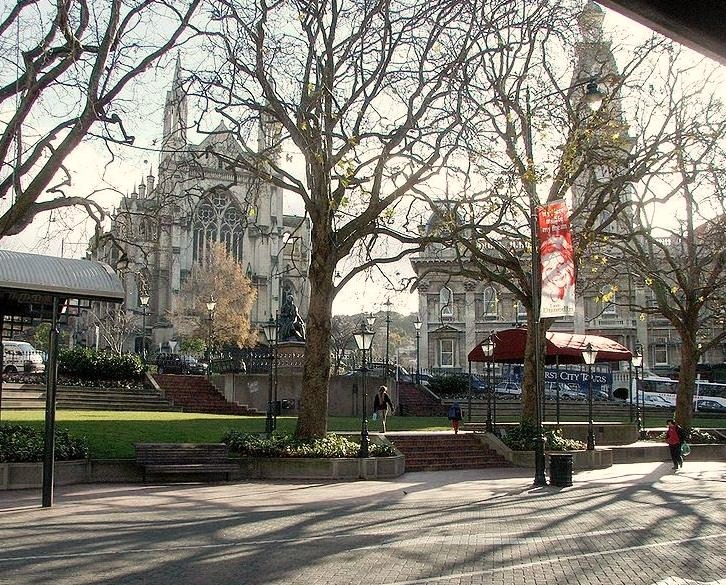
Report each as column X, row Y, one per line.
column 707, row 395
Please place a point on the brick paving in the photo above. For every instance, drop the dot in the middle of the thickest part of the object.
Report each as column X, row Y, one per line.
column 629, row 524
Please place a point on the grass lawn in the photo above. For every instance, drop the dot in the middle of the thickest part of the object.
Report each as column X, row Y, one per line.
column 112, row 434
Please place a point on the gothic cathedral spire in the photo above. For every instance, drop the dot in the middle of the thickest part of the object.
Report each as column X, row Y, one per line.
column 175, row 117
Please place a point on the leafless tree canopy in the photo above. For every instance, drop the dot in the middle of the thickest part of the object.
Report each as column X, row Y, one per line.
column 369, row 94
column 65, row 71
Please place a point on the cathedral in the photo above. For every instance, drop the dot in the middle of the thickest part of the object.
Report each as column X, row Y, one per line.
column 169, row 221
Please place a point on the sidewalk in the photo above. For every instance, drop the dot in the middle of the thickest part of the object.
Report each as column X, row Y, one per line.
column 629, row 524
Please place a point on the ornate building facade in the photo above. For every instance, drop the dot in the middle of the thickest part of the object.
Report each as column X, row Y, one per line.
column 168, row 223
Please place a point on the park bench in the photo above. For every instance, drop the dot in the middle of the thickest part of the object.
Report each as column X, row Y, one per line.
column 184, row 458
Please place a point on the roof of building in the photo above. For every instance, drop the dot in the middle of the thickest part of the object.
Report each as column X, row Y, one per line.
column 71, row 278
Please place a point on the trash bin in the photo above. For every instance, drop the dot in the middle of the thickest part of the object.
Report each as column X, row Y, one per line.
column 561, row 469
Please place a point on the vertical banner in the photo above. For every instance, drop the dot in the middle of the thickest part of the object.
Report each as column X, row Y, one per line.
column 557, row 261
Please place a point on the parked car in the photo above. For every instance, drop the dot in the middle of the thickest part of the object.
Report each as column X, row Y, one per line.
column 508, row 389
column 379, row 370
column 709, row 405
column 567, row 391
column 174, row 363
column 20, row 356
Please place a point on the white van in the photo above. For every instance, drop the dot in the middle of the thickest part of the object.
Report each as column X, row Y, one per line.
column 20, row 356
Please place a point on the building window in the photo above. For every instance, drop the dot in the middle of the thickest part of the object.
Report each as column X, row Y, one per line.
column 446, row 303
column 218, row 218
column 446, row 353
column 608, row 296
column 490, row 303
column 660, row 352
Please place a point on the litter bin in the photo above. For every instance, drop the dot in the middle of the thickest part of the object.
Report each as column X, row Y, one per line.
column 561, row 469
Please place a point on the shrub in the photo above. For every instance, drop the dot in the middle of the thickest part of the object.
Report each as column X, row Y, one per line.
column 86, row 362
column 280, row 445
column 24, row 444
column 450, row 385
column 522, row 438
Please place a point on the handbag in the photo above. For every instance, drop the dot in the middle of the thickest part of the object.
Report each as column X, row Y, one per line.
column 375, row 416
column 685, row 449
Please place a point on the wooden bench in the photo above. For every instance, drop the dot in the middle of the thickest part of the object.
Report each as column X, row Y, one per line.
column 184, row 458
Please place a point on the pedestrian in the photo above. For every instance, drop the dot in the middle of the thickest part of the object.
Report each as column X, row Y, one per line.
column 381, row 404
column 674, row 438
column 455, row 416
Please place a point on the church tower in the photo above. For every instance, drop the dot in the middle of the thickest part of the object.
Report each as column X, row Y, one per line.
column 174, row 137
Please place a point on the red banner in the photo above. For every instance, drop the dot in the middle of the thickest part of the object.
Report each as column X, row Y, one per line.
column 557, row 261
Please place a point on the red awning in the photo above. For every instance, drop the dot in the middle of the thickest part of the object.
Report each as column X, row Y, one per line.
column 563, row 348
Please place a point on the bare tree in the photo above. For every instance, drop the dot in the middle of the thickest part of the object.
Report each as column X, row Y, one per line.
column 368, row 93
column 64, row 81
column 676, row 250
column 115, row 325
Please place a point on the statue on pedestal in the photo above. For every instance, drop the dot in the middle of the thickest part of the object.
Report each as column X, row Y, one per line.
column 291, row 324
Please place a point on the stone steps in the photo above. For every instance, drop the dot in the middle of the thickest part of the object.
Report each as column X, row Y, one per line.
column 416, row 402
column 32, row 397
column 439, row 452
column 198, row 394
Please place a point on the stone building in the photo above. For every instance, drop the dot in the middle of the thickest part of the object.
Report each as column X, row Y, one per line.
column 168, row 222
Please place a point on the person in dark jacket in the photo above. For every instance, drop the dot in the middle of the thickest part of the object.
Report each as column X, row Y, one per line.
column 381, row 405
column 455, row 416
column 674, row 438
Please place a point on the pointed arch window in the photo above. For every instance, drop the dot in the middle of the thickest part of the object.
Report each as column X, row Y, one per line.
column 218, row 218
column 491, row 303
column 446, row 303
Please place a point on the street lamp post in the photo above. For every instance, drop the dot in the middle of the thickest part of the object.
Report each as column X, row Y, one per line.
column 488, row 349
column 388, row 328
column 417, row 325
column 593, row 98
column 144, row 300
column 270, row 329
column 637, row 362
column 364, row 340
column 211, row 305
column 589, row 355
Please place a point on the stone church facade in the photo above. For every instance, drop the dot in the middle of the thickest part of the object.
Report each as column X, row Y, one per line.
column 168, row 223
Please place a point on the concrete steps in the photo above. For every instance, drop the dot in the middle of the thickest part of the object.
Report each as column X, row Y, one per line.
column 32, row 397
column 416, row 402
column 443, row 451
column 197, row 394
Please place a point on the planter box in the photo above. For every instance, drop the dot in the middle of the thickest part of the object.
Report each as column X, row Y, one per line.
column 600, row 458
column 14, row 476
column 331, row 469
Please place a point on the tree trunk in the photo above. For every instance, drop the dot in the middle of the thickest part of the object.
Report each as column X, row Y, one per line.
column 686, row 380
column 313, row 413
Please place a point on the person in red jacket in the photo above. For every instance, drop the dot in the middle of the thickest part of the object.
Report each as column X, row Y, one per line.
column 674, row 438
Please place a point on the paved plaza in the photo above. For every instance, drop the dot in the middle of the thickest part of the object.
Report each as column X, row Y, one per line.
column 629, row 524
